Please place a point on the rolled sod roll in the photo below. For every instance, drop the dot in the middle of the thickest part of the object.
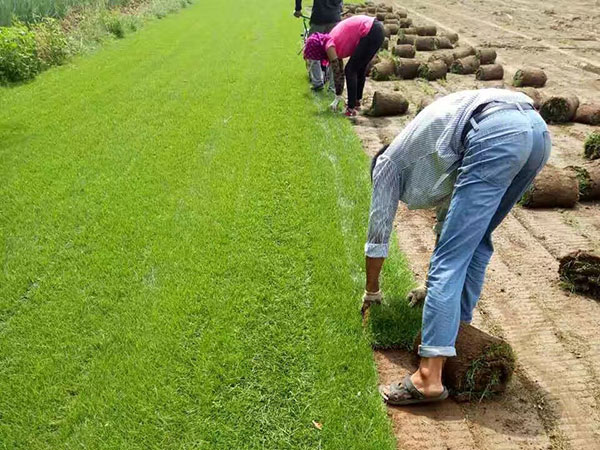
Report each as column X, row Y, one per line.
column 530, row 77
column 404, row 51
column 588, row 113
column 376, row 59
column 405, row 23
column 424, row 103
column 484, row 364
column 443, row 42
column 486, row 55
column 490, row 72
column 591, row 147
column 580, row 272
column 391, row 16
column 427, row 31
column 406, row 39
column 465, row 66
column 588, row 178
column 433, row 70
column 385, row 45
column 537, row 97
column 401, row 14
column 383, row 71
column 360, row 10
column 446, row 56
column 381, row 16
column 352, row 8
column 463, row 52
column 559, row 109
column 407, row 69
column 409, row 30
column 390, row 29
column 391, row 22
column 452, row 37
column 372, row 9
column 425, row 43
column 388, row 104
column 552, row 188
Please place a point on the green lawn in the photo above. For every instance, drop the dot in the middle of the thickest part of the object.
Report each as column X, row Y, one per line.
column 181, row 227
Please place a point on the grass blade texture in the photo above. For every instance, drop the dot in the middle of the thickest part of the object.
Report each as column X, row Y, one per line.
column 182, row 226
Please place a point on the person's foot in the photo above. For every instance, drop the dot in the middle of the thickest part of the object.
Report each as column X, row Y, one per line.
column 428, row 388
column 406, row 393
column 358, row 105
column 318, row 87
column 350, row 112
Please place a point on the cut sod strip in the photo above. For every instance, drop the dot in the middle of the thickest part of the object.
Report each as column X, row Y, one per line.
column 182, row 231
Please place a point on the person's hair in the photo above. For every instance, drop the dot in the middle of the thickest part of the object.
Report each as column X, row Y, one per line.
column 374, row 160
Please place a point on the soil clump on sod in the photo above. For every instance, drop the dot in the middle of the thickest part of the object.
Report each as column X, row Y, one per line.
column 580, row 272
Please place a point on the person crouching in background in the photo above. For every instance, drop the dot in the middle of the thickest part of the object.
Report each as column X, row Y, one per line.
column 358, row 38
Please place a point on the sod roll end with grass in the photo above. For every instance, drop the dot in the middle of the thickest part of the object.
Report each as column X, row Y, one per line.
column 591, row 147
column 483, row 366
column 580, row 272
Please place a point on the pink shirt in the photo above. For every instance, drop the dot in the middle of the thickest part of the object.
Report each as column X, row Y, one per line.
column 346, row 34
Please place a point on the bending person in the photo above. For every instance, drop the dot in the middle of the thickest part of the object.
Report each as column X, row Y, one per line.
column 325, row 15
column 359, row 38
column 481, row 149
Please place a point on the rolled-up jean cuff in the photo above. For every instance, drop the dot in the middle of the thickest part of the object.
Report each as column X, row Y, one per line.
column 376, row 250
column 426, row 351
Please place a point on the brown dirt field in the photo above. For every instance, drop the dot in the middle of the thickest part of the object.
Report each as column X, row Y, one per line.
column 554, row 400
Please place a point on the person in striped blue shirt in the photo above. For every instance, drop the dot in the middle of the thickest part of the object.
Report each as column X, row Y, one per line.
column 476, row 152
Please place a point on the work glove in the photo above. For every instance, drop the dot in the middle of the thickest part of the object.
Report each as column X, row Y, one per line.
column 298, row 13
column 336, row 103
column 416, row 296
column 369, row 298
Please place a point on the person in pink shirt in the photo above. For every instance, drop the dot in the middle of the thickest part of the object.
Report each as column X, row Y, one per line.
column 358, row 38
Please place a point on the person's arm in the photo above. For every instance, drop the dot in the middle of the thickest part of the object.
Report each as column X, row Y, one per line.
column 337, row 66
column 384, row 204
column 298, row 10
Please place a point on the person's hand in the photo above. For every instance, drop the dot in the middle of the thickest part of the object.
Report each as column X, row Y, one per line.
column 370, row 298
column 416, row 296
column 335, row 104
column 298, row 13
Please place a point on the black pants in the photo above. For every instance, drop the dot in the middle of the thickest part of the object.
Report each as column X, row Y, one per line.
column 356, row 69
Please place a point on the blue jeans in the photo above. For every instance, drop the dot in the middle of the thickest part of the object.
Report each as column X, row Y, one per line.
column 504, row 153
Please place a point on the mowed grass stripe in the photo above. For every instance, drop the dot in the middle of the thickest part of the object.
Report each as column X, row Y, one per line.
column 182, row 227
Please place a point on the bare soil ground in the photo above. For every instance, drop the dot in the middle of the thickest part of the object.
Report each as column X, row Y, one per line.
column 554, row 399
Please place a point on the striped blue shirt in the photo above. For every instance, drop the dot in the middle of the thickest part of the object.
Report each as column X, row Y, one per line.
column 420, row 166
